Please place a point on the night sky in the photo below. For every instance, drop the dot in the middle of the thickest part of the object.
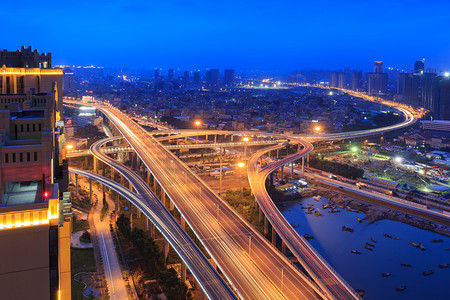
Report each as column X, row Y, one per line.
column 244, row 35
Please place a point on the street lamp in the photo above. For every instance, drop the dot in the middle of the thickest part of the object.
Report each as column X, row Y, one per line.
column 197, row 123
column 69, row 147
column 245, row 139
column 317, row 129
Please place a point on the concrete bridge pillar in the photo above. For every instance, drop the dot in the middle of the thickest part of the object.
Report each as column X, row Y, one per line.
column 283, row 247
column 261, row 214
column 215, row 139
column 206, row 137
column 139, row 213
column 96, row 165
column 166, row 250
column 292, row 170
column 182, row 222
column 278, row 153
column 130, row 214
column 266, row 226
column 303, row 164
column 163, row 199
column 282, row 173
column 232, row 136
column 274, row 237
column 116, row 208
column 171, row 206
column 183, row 272
column 307, row 160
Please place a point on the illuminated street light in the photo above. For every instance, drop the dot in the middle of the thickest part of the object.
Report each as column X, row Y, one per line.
column 354, row 149
column 241, row 165
column 317, row 129
column 245, row 139
column 69, row 147
column 447, row 74
column 398, row 159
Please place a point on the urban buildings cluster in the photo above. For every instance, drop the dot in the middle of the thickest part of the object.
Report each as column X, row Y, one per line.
column 35, row 216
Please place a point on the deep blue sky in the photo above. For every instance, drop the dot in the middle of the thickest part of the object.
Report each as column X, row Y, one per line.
column 242, row 34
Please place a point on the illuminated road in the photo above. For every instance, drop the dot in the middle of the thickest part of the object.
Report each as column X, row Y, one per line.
column 210, row 281
column 266, row 273
column 323, row 274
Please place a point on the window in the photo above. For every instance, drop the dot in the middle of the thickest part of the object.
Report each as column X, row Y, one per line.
column 40, row 128
column 34, row 127
column 6, row 158
column 21, row 157
column 14, row 158
column 28, row 156
column 28, row 127
column 35, row 156
column 21, row 127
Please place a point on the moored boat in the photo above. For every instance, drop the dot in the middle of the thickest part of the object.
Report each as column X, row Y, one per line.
column 400, row 288
column 428, row 272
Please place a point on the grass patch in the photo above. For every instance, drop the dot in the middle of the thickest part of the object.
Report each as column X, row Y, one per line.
column 82, row 260
column 77, row 290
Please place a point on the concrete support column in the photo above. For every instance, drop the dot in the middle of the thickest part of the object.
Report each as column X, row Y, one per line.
column 171, row 206
column 215, row 139
column 274, row 237
column 307, row 160
column 166, row 250
column 139, row 213
column 146, row 227
column 182, row 222
column 282, row 173
column 96, row 165
column 183, row 272
column 261, row 214
column 303, row 164
column 232, row 136
column 283, row 247
column 278, row 153
column 266, row 226
column 117, row 205
column 163, row 198
column 292, row 170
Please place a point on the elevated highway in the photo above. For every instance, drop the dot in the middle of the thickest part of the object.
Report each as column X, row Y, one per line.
column 207, row 277
column 253, row 266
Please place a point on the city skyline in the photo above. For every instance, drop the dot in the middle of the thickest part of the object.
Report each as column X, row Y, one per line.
column 232, row 35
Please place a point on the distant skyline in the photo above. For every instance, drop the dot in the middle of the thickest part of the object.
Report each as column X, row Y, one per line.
column 244, row 35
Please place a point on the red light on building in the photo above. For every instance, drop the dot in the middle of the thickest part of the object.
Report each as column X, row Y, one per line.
column 46, row 194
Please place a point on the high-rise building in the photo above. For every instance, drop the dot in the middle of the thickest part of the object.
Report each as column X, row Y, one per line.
column 378, row 68
column 409, row 86
column 212, row 76
column 170, row 75
column 441, row 98
column 334, row 79
column 342, row 79
column 25, row 58
column 68, row 80
column 419, row 66
column 229, row 77
column 186, row 78
column 156, row 74
column 357, row 81
column 196, row 79
column 35, row 217
column 428, row 84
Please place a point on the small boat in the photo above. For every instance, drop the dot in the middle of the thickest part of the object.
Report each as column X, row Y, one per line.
column 307, row 236
column 421, row 247
column 400, row 288
column 316, row 198
column 373, row 240
column 305, row 207
column 385, row 274
column 428, row 272
column 370, row 245
column 406, row 265
column 317, row 214
column 345, row 228
column 355, row 252
column 387, row 235
column 358, row 219
column 437, row 241
column 308, row 212
column 414, row 244
column 368, row 248
column 442, row 266
column 395, row 238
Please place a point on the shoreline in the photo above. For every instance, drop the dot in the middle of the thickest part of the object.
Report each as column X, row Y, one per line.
column 373, row 212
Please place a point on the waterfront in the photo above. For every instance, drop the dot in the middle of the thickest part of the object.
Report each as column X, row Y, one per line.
column 363, row 271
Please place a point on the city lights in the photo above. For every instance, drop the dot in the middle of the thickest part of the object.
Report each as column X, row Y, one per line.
column 398, row 159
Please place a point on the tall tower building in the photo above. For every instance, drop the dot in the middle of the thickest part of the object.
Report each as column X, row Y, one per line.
column 357, row 81
column 334, row 79
column 170, row 75
column 378, row 68
column 68, row 80
column 410, row 89
column 229, row 77
column 212, row 76
column 186, row 78
column 196, row 78
column 419, row 66
column 35, row 217
column 441, row 98
column 428, row 85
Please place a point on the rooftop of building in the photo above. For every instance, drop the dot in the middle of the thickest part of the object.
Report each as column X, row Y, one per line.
column 22, row 193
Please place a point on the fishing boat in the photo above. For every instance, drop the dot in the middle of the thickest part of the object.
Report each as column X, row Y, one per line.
column 307, row 236
column 442, row 266
column 370, row 245
column 406, row 265
column 368, row 248
column 317, row 214
column 385, row 274
column 358, row 219
column 400, row 288
column 387, row 235
column 428, row 272
column 437, row 240
column 373, row 240
column 355, row 251
column 345, row 228
column 414, row 244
